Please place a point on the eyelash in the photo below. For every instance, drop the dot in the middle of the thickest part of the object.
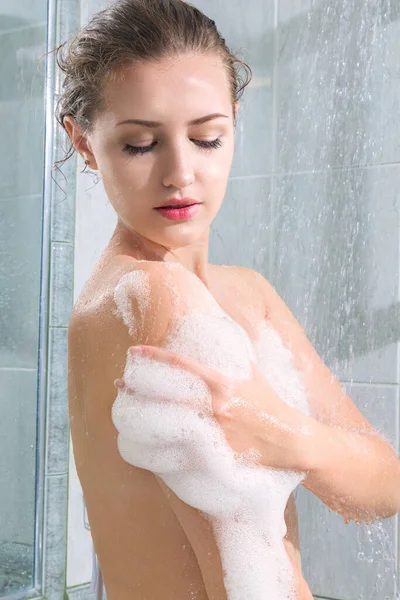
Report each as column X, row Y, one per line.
column 134, row 150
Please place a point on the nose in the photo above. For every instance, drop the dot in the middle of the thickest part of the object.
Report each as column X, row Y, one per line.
column 179, row 171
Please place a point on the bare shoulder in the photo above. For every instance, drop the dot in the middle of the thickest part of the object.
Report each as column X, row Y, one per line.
column 127, row 303
column 107, row 292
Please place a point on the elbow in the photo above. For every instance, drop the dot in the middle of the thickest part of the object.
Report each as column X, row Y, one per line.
column 392, row 507
column 364, row 515
column 395, row 507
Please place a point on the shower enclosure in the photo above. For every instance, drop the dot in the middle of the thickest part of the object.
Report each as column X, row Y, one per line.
column 36, row 278
column 312, row 203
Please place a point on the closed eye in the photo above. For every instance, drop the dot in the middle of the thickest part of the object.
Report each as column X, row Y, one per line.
column 134, row 150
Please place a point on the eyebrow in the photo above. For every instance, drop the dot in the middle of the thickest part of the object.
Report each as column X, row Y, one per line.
column 157, row 124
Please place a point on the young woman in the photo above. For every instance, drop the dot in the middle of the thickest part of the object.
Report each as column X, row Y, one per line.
column 150, row 100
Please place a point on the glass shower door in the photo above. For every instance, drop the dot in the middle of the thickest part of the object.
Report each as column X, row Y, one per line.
column 23, row 31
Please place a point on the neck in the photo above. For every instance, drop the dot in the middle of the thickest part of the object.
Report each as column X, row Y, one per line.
column 130, row 243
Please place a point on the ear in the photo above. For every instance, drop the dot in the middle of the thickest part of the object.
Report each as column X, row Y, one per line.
column 80, row 141
column 237, row 104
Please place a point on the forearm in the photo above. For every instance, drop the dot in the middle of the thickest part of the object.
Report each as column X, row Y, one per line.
column 355, row 474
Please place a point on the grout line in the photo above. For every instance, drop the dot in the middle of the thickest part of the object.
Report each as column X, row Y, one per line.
column 338, row 168
column 282, row 174
column 382, row 384
column 238, row 177
column 275, row 94
column 62, row 242
column 61, row 474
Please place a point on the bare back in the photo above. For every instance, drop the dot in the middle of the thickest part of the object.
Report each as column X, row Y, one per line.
column 142, row 548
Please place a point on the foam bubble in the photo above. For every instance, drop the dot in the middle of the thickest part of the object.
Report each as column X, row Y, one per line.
column 139, row 281
column 166, row 426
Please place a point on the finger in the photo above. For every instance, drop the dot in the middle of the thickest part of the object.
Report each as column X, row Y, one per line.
column 214, row 380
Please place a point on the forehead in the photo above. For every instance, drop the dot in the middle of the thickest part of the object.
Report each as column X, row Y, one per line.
column 187, row 85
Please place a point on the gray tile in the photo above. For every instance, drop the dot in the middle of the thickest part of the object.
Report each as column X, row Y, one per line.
column 81, row 592
column 339, row 86
column 55, row 543
column 20, row 251
column 355, row 560
column 18, row 400
column 380, row 405
column 57, row 445
column 336, row 265
column 253, row 153
column 69, row 17
column 384, row 126
column 61, row 277
column 240, row 232
column 290, row 9
column 249, row 33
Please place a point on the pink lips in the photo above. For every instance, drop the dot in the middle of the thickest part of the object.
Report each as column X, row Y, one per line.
column 179, row 214
column 178, row 202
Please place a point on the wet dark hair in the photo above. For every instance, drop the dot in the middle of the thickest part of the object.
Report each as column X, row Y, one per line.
column 129, row 32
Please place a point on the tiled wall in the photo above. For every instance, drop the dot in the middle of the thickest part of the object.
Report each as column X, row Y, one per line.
column 336, row 246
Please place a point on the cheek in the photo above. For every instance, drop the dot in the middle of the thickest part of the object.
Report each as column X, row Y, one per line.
column 216, row 168
column 128, row 175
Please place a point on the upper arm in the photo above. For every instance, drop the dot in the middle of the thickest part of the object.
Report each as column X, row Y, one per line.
column 327, row 399
column 200, row 534
column 169, row 298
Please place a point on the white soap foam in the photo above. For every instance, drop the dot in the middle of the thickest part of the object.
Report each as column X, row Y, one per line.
column 166, row 426
column 134, row 280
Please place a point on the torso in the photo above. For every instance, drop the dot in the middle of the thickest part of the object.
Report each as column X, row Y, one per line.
column 143, row 550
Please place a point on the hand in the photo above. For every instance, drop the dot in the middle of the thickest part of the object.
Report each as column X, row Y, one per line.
column 250, row 413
